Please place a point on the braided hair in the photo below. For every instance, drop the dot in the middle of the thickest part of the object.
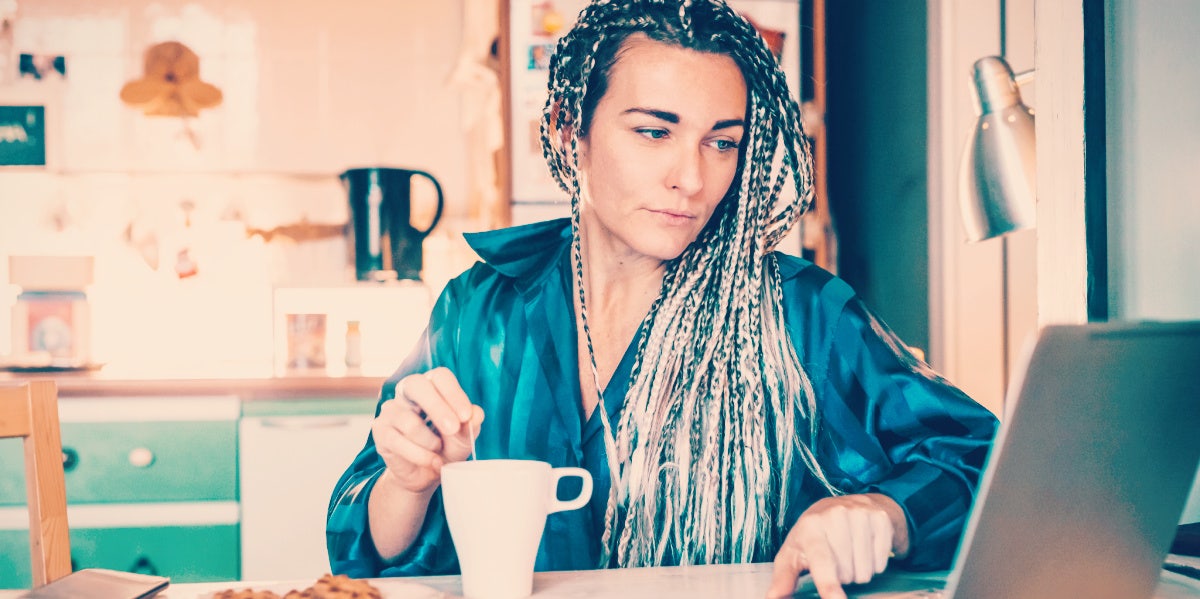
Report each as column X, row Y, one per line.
column 718, row 403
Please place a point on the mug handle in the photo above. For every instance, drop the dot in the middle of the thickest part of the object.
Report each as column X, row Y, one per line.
column 437, row 216
column 558, row 505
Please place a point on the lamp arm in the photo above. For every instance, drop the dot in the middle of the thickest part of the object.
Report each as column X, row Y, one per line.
column 1024, row 77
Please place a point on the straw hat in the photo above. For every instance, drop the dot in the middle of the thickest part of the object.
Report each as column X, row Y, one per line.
column 171, row 84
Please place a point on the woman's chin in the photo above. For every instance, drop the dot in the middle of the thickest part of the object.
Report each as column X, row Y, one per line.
column 664, row 250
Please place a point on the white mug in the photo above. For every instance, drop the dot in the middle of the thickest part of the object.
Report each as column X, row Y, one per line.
column 497, row 511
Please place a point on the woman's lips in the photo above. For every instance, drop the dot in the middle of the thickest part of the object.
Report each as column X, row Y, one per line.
column 671, row 217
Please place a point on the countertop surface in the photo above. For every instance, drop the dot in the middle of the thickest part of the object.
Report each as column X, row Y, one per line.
column 247, row 381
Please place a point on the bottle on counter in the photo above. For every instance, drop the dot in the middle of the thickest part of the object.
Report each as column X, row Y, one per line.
column 353, row 344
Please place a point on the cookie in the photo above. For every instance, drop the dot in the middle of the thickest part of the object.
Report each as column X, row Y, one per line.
column 341, row 586
column 244, row 594
column 328, row 586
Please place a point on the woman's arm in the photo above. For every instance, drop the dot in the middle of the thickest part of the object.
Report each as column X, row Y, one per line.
column 384, row 522
column 900, row 429
column 430, row 423
column 904, row 444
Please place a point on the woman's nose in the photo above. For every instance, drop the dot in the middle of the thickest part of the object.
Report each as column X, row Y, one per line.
column 686, row 175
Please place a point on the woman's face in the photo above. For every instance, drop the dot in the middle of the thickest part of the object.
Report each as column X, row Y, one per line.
column 662, row 147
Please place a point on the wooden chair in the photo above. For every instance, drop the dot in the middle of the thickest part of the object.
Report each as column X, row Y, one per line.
column 30, row 411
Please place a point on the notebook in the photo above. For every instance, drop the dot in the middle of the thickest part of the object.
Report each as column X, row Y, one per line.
column 1088, row 475
column 100, row 583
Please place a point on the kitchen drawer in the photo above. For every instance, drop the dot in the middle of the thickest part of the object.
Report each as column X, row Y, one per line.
column 184, row 553
column 139, row 450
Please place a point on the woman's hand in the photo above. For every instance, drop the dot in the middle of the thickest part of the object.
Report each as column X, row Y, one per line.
column 430, row 423
column 840, row 540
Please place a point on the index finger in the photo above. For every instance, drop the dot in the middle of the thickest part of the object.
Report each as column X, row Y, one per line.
column 447, row 386
column 824, row 569
column 785, row 576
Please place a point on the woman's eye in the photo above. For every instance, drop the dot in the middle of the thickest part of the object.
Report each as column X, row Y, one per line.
column 653, row 133
column 725, row 144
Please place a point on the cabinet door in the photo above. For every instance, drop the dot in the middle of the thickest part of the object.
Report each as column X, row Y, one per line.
column 138, row 450
column 289, row 465
column 184, row 553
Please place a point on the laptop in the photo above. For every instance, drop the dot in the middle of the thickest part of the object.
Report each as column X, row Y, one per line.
column 1088, row 475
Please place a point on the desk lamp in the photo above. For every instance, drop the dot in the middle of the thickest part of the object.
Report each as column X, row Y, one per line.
column 999, row 169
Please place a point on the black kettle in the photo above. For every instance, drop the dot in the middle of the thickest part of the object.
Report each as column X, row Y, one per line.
column 386, row 245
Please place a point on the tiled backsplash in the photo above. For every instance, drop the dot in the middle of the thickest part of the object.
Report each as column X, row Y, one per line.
column 310, row 88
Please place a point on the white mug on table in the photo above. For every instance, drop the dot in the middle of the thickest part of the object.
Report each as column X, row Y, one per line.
column 497, row 511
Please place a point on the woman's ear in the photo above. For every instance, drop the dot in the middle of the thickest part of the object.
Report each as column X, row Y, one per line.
column 561, row 124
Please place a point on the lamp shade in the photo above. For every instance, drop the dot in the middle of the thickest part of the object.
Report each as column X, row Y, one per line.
column 999, row 167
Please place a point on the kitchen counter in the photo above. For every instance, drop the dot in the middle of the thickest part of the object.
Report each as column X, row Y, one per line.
column 248, row 382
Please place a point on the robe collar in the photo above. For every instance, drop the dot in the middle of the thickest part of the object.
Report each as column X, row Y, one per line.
column 526, row 253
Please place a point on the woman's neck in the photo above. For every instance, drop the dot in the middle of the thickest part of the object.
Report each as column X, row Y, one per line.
column 620, row 286
column 614, row 274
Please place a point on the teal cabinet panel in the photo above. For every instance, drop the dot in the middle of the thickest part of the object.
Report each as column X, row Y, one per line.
column 183, row 553
column 12, row 474
column 119, row 462
column 14, row 559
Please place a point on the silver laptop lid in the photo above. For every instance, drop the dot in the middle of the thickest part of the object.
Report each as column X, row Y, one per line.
column 1091, row 468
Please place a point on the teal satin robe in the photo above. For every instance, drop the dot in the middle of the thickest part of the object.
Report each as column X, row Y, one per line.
column 506, row 328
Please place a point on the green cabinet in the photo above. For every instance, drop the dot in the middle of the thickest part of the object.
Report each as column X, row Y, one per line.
column 185, row 553
column 120, row 462
column 196, row 489
column 151, row 486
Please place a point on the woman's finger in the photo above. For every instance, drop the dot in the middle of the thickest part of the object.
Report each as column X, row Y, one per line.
column 420, row 390
column 414, row 428
column 405, row 449
column 826, row 571
column 459, row 447
column 451, row 391
column 789, row 564
column 836, row 524
column 862, row 537
column 882, row 539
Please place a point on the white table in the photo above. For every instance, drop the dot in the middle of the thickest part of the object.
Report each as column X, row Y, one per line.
column 695, row 582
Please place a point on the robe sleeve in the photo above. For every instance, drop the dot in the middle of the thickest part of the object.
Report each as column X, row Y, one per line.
column 889, row 423
column 347, row 532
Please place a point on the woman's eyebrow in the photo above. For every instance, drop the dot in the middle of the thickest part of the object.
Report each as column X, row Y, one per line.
column 727, row 123
column 669, row 117
column 673, row 118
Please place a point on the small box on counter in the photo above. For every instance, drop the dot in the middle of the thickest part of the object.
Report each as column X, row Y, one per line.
column 363, row 328
column 51, row 319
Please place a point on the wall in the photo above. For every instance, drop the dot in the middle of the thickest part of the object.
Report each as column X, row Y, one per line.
column 310, row 88
column 1154, row 160
column 1154, row 166
column 877, row 121
column 982, row 295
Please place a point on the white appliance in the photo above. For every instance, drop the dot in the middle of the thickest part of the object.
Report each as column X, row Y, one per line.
column 288, row 468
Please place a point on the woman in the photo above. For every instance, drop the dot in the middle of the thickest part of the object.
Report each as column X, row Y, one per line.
column 733, row 404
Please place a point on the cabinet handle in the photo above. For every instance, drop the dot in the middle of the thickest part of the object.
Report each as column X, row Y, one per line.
column 143, row 565
column 141, row 457
column 70, row 459
column 305, row 423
